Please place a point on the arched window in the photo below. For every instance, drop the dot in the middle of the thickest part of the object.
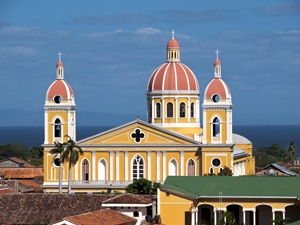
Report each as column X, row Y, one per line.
column 170, row 110
column 150, row 110
column 137, row 168
column 57, row 128
column 135, row 214
column 102, row 171
column 173, row 168
column 182, row 110
column 192, row 110
column 157, row 110
column 191, row 168
column 85, row 170
column 211, row 170
column 216, row 126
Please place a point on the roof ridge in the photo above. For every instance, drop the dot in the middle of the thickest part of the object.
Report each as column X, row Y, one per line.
column 113, row 197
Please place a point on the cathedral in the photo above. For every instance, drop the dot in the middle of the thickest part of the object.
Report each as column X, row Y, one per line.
column 171, row 142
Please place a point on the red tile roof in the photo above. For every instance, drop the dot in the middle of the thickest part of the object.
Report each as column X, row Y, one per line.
column 19, row 161
column 173, row 44
column 6, row 191
column 127, row 198
column 21, row 173
column 31, row 184
column 103, row 217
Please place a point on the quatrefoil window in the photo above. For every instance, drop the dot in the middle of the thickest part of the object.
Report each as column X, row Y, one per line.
column 137, row 135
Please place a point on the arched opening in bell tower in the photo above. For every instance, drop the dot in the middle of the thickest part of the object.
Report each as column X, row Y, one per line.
column 57, row 128
column 215, row 126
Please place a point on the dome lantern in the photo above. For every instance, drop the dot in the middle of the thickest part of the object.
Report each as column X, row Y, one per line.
column 59, row 68
column 217, row 66
column 173, row 50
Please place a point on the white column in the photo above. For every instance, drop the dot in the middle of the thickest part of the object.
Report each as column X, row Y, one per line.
column 117, row 166
column 204, row 127
column 152, row 119
column 283, row 214
column 111, row 165
column 149, row 165
column 215, row 216
column 46, row 126
column 197, row 110
column 193, row 217
column 164, row 165
column 74, row 127
column 196, row 210
column 176, row 109
column 254, row 217
column 76, row 171
column 158, row 165
column 94, row 165
column 181, row 163
column 69, row 131
column 188, row 110
column 126, row 166
column 162, row 109
column 273, row 216
column 244, row 216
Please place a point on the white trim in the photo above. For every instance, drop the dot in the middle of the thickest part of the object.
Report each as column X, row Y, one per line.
column 111, row 165
column 106, row 170
column 117, row 166
column 49, row 89
column 211, row 162
column 220, row 154
column 157, row 165
column 46, row 127
column 187, row 77
column 67, row 88
column 156, row 110
column 162, row 109
column 181, row 163
column 187, row 166
column 225, row 87
column 81, row 168
column 197, row 124
column 126, row 205
column 152, row 109
column 153, row 82
column 211, row 168
column 204, row 141
column 195, row 79
column 220, row 128
column 126, row 165
column 158, row 201
column 184, row 110
column 76, row 171
column 164, row 77
column 57, row 116
column 64, row 222
column 176, row 167
column 176, row 109
column 131, row 167
column 167, row 110
column 94, row 165
column 164, row 165
column 207, row 88
column 149, row 165
column 175, row 74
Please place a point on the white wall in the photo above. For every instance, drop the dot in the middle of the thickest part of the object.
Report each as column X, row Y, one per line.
column 129, row 212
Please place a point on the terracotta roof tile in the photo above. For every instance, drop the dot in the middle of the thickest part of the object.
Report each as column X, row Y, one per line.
column 21, row 173
column 127, row 198
column 31, row 184
column 6, row 191
column 103, row 217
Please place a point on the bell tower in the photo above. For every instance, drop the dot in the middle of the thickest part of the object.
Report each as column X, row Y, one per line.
column 217, row 110
column 59, row 109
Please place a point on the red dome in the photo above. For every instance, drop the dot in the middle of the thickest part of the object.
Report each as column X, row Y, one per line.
column 173, row 44
column 217, row 86
column 173, row 76
column 217, row 62
column 59, row 63
column 60, row 87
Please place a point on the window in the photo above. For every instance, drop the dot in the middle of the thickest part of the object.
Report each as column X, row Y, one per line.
column 173, row 168
column 192, row 110
column 137, row 168
column 135, row 214
column 57, row 99
column 182, row 110
column 216, row 126
column 85, row 170
column 211, row 170
column 191, row 168
column 170, row 110
column 157, row 110
column 150, row 110
column 216, row 162
column 216, row 98
column 102, row 170
column 167, row 194
column 57, row 128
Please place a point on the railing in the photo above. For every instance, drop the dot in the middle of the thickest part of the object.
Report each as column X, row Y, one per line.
column 101, row 182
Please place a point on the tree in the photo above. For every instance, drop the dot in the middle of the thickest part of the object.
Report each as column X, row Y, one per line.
column 71, row 156
column 228, row 218
column 58, row 150
column 291, row 150
column 142, row 186
column 279, row 221
column 276, row 150
column 225, row 172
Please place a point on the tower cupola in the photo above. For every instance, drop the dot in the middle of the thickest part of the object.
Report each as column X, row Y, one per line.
column 59, row 68
column 173, row 50
column 217, row 66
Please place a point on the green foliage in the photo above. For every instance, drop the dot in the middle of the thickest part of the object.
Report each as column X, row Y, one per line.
column 71, row 152
column 279, row 221
column 296, row 170
column 207, row 222
column 142, row 186
column 225, row 172
column 230, row 219
column 291, row 150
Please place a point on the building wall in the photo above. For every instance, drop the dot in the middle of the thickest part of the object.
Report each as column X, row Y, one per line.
column 9, row 163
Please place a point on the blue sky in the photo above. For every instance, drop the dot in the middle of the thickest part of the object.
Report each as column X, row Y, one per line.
column 110, row 50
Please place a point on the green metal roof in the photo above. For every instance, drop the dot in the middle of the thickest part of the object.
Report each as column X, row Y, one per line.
column 243, row 186
column 295, row 223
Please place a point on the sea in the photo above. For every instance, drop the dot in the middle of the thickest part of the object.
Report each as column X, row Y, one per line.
column 259, row 135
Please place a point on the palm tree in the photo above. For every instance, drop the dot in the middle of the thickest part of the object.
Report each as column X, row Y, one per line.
column 279, row 221
column 58, row 150
column 228, row 219
column 71, row 155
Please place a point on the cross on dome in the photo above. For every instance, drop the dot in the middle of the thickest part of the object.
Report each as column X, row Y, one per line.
column 173, row 34
column 59, row 56
column 217, row 52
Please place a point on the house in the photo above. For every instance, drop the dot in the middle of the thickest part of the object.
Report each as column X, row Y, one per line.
column 21, row 173
column 135, row 206
column 253, row 200
column 275, row 170
column 103, row 217
column 14, row 162
column 22, row 186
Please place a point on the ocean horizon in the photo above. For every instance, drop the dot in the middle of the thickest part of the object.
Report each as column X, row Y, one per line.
column 259, row 135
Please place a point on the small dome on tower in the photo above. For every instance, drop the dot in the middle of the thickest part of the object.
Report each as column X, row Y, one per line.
column 60, row 88
column 173, row 44
column 217, row 61
column 59, row 63
column 217, row 87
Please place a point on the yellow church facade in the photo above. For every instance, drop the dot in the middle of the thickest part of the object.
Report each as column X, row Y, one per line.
column 171, row 142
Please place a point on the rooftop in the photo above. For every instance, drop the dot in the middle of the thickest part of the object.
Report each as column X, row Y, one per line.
column 128, row 198
column 21, row 173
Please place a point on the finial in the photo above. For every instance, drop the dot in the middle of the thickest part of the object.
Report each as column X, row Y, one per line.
column 59, row 56
column 173, row 32
column 217, row 52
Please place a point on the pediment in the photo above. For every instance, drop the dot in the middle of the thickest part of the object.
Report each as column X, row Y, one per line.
column 137, row 133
